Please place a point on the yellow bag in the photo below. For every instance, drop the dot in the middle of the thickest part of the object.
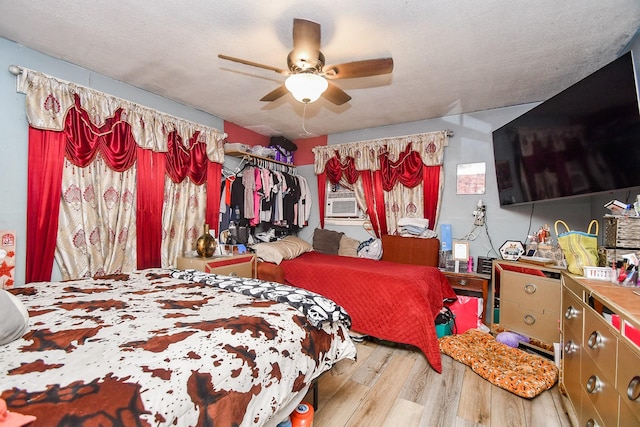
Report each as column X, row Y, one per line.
column 580, row 249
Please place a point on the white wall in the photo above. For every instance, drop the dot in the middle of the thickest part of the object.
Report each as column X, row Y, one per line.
column 471, row 142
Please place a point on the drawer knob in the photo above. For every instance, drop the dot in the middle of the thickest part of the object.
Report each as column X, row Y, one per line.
column 633, row 390
column 570, row 347
column 595, row 340
column 570, row 313
column 591, row 423
column 463, row 282
column 593, row 384
column 530, row 288
column 529, row 319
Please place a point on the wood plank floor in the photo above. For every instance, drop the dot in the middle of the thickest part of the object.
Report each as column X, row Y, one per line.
column 392, row 386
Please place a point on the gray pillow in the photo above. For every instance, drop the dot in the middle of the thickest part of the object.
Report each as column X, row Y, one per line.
column 14, row 318
column 326, row 241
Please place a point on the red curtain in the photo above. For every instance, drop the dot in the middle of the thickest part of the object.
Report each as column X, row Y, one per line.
column 150, row 195
column 113, row 140
column 335, row 169
column 46, row 159
column 214, row 182
column 431, row 192
column 183, row 162
column 322, row 190
column 81, row 141
column 407, row 170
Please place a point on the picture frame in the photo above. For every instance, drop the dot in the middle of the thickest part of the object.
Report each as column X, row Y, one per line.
column 470, row 178
column 460, row 251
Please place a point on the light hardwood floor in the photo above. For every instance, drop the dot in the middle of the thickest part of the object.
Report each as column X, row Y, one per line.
column 391, row 386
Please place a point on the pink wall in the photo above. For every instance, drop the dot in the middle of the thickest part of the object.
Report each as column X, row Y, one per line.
column 304, row 155
column 237, row 133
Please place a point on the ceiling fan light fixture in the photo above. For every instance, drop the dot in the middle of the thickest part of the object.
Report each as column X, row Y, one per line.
column 306, row 87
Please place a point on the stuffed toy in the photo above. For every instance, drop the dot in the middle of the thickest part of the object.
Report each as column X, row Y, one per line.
column 511, row 339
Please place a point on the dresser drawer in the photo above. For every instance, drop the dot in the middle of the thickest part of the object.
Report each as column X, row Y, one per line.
column 600, row 343
column 588, row 414
column 530, row 292
column 599, row 390
column 628, row 383
column 466, row 282
column 628, row 414
column 572, row 313
column 543, row 325
column 571, row 354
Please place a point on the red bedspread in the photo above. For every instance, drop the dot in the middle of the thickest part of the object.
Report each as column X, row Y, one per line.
column 390, row 301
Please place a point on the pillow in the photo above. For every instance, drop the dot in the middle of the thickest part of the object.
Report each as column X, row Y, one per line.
column 14, row 317
column 371, row 249
column 326, row 241
column 268, row 252
column 288, row 248
column 348, row 247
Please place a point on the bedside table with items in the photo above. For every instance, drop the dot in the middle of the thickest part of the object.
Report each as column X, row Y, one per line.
column 242, row 265
column 472, row 284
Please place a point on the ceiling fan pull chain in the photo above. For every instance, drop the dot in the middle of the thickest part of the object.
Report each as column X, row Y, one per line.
column 304, row 114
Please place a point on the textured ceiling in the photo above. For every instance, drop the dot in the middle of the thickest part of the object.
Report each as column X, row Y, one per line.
column 450, row 57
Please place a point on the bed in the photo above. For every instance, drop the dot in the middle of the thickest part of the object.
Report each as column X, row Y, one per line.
column 388, row 300
column 169, row 347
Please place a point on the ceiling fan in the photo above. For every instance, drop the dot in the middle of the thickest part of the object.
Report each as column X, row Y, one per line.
column 308, row 77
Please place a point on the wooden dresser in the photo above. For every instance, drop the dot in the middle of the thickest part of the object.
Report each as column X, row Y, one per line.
column 528, row 297
column 600, row 371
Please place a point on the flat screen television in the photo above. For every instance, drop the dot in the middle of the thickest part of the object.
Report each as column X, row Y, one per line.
column 584, row 140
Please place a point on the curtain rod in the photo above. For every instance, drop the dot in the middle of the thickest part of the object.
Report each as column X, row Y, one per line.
column 17, row 70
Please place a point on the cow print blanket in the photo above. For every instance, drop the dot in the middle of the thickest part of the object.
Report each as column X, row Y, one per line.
column 149, row 349
column 316, row 308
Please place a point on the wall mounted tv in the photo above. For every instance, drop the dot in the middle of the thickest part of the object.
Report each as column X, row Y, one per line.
column 582, row 141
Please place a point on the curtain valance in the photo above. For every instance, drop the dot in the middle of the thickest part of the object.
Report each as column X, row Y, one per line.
column 48, row 100
column 366, row 154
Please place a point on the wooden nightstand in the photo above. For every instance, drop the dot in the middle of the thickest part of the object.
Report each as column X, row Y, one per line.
column 471, row 283
column 243, row 265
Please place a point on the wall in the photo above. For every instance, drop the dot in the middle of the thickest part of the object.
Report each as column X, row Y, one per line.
column 471, row 143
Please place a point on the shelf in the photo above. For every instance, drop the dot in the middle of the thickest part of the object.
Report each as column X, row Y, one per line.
column 245, row 155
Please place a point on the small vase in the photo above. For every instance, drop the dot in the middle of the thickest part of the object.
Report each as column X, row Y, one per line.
column 206, row 244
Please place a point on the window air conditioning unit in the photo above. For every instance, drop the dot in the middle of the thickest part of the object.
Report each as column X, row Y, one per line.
column 341, row 204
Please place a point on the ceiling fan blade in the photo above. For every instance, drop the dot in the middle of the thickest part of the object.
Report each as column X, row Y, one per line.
column 367, row 68
column 275, row 94
column 336, row 95
column 306, row 35
column 253, row 64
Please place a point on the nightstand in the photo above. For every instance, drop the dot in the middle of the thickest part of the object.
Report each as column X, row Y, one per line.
column 243, row 265
column 471, row 283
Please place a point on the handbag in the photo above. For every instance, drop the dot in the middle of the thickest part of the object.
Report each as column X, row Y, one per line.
column 580, row 249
